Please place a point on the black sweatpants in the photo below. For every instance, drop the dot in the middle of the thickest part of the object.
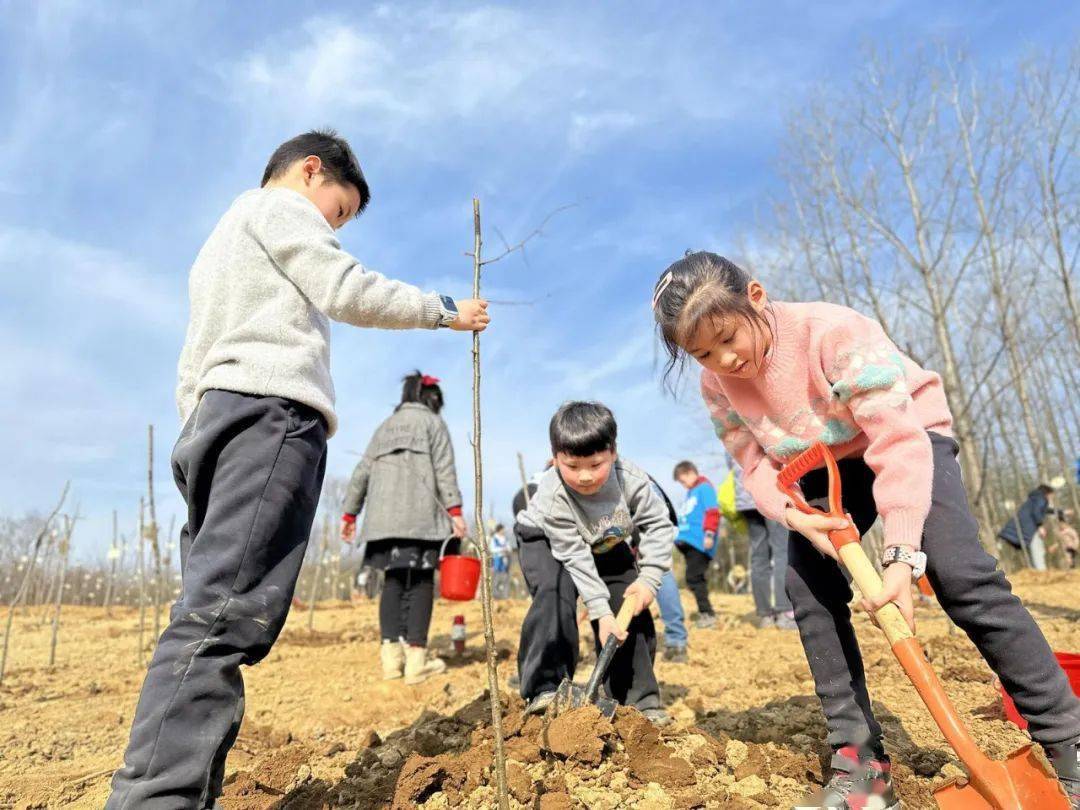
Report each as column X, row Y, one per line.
column 548, row 649
column 405, row 606
column 971, row 588
column 251, row 470
column 697, row 570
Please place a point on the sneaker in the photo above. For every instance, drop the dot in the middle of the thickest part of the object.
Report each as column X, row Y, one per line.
column 418, row 667
column 786, row 621
column 676, row 655
column 854, row 785
column 1066, row 762
column 393, row 660
column 705, row 620
column 765, row 622
column 539, row 704
column 658, row 717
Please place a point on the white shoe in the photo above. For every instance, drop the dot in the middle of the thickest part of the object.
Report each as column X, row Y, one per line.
column 418, row 667
column 393, row 660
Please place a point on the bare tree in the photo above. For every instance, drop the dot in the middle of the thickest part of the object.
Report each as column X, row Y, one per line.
column 27, row 574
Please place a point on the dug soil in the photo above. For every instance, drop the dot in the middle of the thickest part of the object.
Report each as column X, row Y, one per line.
column 322, row 730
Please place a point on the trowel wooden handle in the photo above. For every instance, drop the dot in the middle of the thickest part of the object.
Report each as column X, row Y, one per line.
column 626, row 612
column 866, row 578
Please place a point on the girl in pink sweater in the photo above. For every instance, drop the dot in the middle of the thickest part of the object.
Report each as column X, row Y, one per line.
column 778, row 377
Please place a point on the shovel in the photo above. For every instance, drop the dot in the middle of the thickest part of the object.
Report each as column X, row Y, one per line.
column 571, row 696
column 1021, row 782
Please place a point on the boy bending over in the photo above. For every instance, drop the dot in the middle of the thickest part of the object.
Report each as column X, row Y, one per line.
column 574, row 539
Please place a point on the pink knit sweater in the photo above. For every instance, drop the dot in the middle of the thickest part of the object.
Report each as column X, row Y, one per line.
column 832, row 375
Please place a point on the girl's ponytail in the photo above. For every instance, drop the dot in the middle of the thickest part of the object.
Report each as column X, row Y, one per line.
column 417, row 387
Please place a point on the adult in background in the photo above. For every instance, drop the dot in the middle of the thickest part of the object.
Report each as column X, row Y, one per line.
column 407, row 481
column 1025, row 529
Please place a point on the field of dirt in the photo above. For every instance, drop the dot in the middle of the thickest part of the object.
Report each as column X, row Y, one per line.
column 323, row 731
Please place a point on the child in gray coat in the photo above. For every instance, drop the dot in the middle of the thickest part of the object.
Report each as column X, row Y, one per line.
column 407, row 486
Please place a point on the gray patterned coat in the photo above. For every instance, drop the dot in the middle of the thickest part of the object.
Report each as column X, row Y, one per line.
column 406, row 479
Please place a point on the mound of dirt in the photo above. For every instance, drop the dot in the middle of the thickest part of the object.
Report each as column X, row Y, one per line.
column 578, row 759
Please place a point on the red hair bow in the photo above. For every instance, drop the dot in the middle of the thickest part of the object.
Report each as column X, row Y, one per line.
column 429, row 380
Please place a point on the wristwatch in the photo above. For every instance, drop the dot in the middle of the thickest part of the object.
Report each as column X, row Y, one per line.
column 450, row 311
column 916, row 559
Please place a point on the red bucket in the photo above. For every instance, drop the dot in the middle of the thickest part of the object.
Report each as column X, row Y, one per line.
column 1070, row 662
column 458, row 576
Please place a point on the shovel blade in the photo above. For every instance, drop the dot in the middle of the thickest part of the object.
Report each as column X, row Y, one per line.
column 571, row 696
column 1021, row 782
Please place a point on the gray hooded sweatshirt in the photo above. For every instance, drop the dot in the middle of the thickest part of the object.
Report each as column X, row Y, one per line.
column 406, row 478
column 579, row 526
column 263, row 290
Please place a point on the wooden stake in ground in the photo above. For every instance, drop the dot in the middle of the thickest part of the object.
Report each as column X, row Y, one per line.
column 25, row 584
column 481, row 538
column 139, row 653
column 524, row 479
column 65, row 548
column 153, row 531
column 318, row 573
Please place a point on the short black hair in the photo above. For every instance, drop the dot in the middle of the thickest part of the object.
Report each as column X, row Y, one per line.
column 413, row 389
column 582, row 429
column 685, row 467
column 338, row 161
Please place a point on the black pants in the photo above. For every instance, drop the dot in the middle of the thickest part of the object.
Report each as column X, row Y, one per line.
column 697, row 568
column 970, row 587
column 548, row 650
column 405, row 607
column 250, row 470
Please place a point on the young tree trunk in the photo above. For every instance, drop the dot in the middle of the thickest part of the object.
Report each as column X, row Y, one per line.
column 524, row 479
column 20, row 594
column 481, row 536
column 140, row 656
column 65, row 547
column 153, row 531
column 318, row 573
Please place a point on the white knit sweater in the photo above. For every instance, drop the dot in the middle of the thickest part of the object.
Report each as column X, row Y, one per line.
column 263, row 289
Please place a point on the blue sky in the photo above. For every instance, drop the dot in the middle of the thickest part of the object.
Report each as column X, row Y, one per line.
column 127, row 129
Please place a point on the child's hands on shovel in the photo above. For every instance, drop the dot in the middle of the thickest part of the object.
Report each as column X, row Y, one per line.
column 816, row 528
column 609, row 627
column 896, row 588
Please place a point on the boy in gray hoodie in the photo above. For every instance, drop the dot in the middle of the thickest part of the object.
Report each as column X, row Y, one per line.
column 575, row 539
column 257, row 403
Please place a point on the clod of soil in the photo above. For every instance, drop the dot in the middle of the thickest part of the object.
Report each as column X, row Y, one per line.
column 579, row 735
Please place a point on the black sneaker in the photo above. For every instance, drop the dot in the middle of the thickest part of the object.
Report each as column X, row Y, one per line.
column 1066, row 762
column 856, row 784
column 676, row 655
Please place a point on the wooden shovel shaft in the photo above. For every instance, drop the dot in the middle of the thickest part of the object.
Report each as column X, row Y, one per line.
column 910, row 654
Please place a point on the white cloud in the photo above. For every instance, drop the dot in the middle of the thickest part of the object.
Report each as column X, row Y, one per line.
column 88, row 278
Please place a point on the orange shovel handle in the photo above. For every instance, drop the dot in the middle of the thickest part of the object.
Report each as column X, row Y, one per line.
column 986, row 775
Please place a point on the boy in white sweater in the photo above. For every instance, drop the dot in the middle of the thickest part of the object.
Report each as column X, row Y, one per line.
column 257, row 403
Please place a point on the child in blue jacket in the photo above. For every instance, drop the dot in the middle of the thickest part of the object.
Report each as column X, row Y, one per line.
column 699, row 520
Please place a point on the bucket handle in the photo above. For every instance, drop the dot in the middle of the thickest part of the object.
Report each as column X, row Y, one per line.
column 469, row 540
